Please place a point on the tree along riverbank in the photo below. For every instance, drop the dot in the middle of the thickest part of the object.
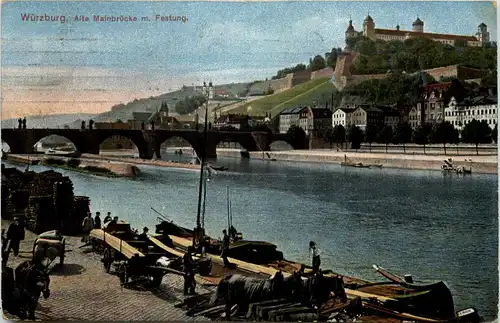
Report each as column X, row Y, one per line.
column 479, row 164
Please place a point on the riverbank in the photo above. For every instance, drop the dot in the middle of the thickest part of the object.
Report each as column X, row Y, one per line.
column 87, row 165
column 139, row 161
column 480, row 164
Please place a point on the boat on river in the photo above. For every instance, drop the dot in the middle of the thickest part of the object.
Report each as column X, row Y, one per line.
column 349, row 163
column 396, row 298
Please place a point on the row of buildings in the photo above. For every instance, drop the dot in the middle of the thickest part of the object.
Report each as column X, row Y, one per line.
column 437, row 105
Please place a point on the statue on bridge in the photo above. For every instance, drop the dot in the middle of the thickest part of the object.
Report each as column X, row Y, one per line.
column 91, row 124
column 24, row 123
column 83, row 125
column 20, row 123
column 143, row 126
column 152, row 125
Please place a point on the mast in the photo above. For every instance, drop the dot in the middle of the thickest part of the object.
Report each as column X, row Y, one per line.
column 202, row 165
column 228, row 210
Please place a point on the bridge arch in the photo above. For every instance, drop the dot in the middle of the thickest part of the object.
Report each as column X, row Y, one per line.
column 118, row 144
column 54, row 141
column 134, row 137
column 178, row 141
column 244, row 142
column 5, row 146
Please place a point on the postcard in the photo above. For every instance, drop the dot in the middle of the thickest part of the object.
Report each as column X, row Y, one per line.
column 264, row 161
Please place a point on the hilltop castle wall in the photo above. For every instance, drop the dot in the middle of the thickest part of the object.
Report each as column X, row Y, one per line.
column 325, row 72
column 343, row 76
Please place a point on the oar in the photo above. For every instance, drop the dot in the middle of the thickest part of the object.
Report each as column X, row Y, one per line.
column 171, row 221
column 161, row 215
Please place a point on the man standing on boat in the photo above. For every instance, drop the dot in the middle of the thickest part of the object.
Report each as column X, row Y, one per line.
column 188, row 268
column 225, row 248
column 315, row 252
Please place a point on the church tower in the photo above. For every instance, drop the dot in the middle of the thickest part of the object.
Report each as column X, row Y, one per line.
column 350, row 32
column 369, row 28
column 482, row 34
column 418, row 26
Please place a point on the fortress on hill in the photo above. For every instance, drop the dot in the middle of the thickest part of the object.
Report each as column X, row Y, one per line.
column 481, row 37
column 342, row 75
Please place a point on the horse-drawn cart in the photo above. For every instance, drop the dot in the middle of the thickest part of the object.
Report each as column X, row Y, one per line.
column 50, row 244
column 136, row 260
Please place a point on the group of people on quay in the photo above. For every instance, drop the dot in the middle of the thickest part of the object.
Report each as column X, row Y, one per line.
column 90, row 223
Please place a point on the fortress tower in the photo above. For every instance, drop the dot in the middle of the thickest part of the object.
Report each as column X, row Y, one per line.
column 482, row 33
column 369, row 28
column 418, row 26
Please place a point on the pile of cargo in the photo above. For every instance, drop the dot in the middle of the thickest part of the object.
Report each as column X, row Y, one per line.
column 45, row 200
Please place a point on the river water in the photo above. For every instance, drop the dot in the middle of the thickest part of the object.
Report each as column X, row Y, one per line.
column 430, row 225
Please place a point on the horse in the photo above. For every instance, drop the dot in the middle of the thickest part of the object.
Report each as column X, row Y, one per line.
column 31, row 280
column 317, row 289
column 242, row 290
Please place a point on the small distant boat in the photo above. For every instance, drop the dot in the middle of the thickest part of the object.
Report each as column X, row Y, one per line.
column 56, row 152
column 351, row 164
column 219, row 168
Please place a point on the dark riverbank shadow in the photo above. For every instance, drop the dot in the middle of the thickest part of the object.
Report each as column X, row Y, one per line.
column 67, row 270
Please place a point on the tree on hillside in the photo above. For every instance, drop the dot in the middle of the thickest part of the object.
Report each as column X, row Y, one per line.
column 339, row 134
column 297, row 135
column 476, row 132
column 403, row 134
column 386, row 136
column 421, row 135
column 328, row 136
column 371, row 135
column 443, row 133
column 282, row 73
column 331, row 57
column 317, row 63
column 355, row 136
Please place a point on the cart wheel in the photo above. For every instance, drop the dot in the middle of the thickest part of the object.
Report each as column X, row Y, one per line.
column 156, row 280
column 62, row 253
column 107, row 260
column 123, row 273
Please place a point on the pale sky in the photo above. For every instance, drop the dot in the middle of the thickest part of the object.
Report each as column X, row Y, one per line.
column 76, row 66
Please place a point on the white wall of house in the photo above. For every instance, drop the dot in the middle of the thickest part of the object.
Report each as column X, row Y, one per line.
column 340, row 117
column 459, row 116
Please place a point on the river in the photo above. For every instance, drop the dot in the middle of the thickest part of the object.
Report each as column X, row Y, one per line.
column 423, row 223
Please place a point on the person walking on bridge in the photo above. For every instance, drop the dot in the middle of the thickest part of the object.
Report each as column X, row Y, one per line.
column 315, row 252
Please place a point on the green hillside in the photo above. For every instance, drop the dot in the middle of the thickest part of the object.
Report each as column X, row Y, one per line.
column 301, row 94
column 151, row 104
column 418, row 53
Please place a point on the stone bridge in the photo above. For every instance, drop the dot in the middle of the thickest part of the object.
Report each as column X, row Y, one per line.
column 22, row 141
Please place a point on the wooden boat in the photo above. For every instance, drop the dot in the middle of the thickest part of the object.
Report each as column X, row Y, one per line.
column 351, row 164
column 219, row 168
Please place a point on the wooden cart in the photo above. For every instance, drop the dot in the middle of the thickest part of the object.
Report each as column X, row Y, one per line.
column 52, row 244
column 135, row 260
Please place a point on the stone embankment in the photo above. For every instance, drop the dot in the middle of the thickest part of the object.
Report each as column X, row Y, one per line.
column 479, row 164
